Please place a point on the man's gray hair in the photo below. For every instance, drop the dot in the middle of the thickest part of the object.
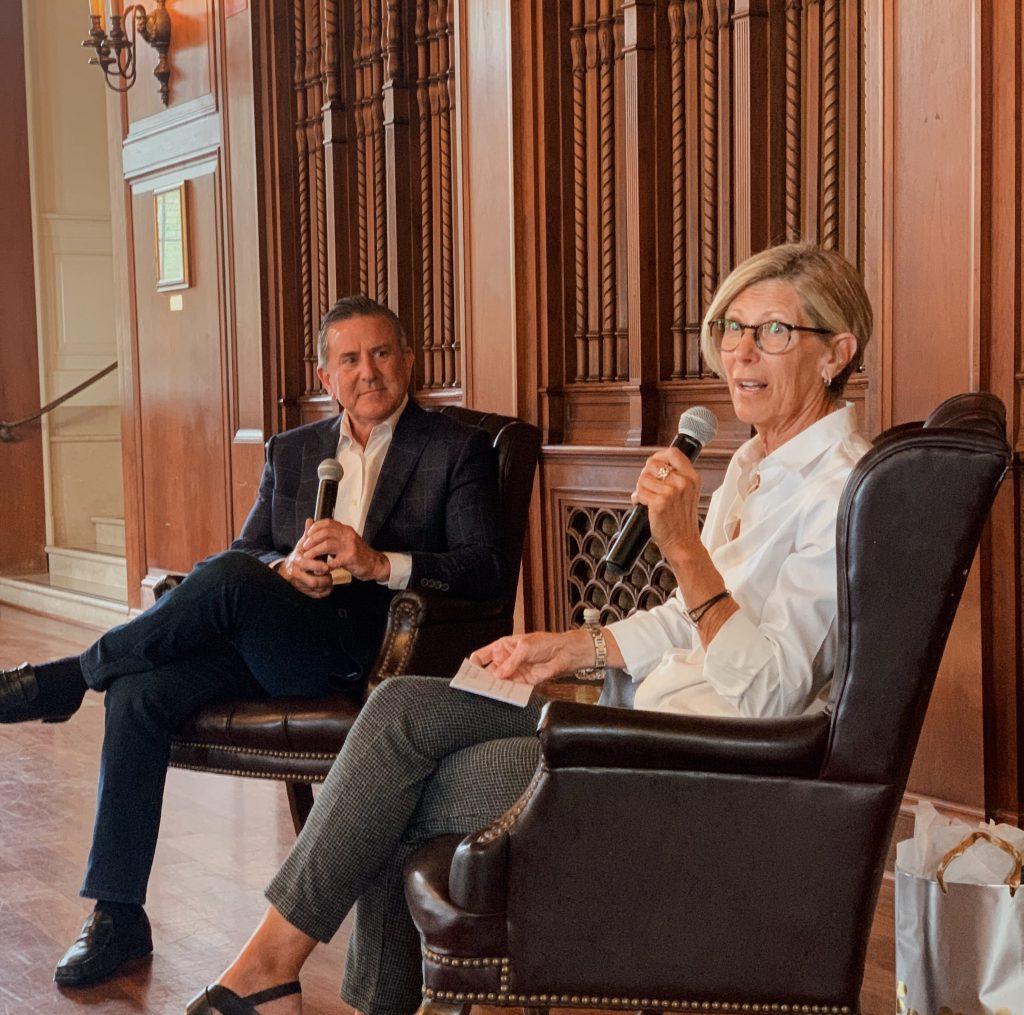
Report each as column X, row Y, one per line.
column 348, row 307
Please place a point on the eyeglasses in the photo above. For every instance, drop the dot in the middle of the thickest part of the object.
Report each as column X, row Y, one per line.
column 771, row 337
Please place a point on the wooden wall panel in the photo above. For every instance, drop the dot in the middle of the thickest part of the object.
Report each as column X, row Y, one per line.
column 484, row 158
column 193, row 66
column 943, row 260
column 732, row 126
column 841, row 107
column 934, row 224
column 195, row 372
column 184, row 453
column 23, row 533
column 376, row 194
column 250, row 411
column 934, row 250
column 723, row 127
column 1001, row 285
column 549, row 194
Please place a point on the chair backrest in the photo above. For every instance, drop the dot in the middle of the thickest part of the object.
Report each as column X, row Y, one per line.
column 909, row 523
column 517, row 445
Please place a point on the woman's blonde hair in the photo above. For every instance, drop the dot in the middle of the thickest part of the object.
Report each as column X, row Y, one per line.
column 829, row 288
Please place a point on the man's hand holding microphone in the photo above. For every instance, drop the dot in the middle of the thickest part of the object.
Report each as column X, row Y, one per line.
column 328, row 546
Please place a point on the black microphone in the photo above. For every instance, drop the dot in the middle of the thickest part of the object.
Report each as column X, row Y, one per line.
column 329, row 472
column 697, row 426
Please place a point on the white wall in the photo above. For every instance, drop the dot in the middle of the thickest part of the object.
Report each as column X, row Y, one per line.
column 74, row 267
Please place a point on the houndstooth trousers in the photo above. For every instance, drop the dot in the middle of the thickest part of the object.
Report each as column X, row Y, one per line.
column 421, row 760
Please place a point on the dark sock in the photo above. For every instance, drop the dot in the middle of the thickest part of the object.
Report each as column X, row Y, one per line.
column 61, row 685
column 123, row 912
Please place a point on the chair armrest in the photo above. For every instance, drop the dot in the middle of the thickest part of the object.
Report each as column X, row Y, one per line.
column 434, row 608
column 588, row 736
column 429, row 634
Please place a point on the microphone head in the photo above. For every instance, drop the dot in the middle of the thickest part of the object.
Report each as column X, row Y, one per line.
column 699, row 424
column 329, row 470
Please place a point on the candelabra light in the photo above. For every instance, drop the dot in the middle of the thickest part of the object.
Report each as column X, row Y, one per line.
column 115, row 45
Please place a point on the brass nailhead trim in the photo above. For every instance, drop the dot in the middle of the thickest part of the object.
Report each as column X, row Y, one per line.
column 455, row 960
column 498, row 828
column 568, row 1000
column 245, row 773
column 305, row 755
column 501, row 963
column 391, row 667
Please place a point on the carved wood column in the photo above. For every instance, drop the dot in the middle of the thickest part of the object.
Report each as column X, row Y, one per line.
column 398, row 162
column 335, row 130
column 830, row 152
column 641, row 263
column 425, row 360
column 451, row 367
column 751, row 91
column 692, row 155
column 792, row 119
column 679, row 175
column 811, row 114
column 579, row 188
column 724, row 77
column 304, row 200
column 709, row 139
column 276, row 181
column 316, row 73
column 433, row 176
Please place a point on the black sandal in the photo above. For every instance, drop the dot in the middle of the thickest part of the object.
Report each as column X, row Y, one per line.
column 225, row 1001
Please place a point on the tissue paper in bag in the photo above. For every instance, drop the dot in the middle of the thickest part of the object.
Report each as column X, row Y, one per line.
column 959, row 919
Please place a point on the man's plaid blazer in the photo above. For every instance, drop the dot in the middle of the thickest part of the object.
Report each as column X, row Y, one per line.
column 436, row 499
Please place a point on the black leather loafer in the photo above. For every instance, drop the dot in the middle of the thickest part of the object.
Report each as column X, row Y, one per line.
column 103, row 949
column 19, row 698
column 218, row 1000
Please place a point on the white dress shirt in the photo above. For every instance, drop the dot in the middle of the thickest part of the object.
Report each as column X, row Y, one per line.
column 361, row 469
column 775, row 655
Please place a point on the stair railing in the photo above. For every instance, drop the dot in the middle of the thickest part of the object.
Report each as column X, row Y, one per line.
column 7, row 434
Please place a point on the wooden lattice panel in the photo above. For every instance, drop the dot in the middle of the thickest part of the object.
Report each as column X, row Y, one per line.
column 588, row 532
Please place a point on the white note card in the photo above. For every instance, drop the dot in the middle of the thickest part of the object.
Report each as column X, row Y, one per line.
column 477, row 680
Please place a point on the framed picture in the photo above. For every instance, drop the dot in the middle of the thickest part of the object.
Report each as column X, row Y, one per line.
column 171, row 211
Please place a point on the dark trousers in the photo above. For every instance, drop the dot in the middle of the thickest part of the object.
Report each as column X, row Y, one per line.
column 233, row 628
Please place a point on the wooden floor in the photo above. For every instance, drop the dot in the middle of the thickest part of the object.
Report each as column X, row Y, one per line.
column 220, row 842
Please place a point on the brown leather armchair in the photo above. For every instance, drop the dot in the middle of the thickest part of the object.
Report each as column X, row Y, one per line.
column 727, row 865
column 296, row 739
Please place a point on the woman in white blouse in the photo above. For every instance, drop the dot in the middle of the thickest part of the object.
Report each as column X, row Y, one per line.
column 749, row 632
column 785, row 331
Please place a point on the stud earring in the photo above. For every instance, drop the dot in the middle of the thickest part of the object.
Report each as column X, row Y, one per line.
column 825, row 379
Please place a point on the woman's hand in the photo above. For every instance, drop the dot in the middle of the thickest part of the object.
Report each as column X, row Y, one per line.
column 669, row 486
column 533, row 658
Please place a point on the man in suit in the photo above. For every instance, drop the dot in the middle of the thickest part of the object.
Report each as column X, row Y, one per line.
column 416, row 507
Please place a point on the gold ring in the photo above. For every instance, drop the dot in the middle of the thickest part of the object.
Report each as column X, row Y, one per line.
column 663, row 472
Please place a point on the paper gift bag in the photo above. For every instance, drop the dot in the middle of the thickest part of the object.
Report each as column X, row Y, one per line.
column 960, row 947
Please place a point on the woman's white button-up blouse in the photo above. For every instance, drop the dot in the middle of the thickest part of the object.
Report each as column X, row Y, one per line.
column 775, row 655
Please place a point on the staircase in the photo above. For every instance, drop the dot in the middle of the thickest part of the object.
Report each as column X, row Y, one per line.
column 86, row 585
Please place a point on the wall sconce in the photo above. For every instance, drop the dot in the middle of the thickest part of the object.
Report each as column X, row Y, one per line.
column 115, row 49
